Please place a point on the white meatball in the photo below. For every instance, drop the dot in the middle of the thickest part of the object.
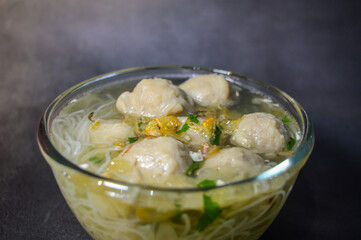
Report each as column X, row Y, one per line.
column 261, row 133
column 232, row 163
column 154, row 97
column 110, row 131
column 207, row 90
column 234, row 157
column 157, row 159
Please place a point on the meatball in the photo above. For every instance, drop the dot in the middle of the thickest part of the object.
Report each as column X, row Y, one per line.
column 230, row 163
column 157, row 159
column 207, row 90
column 110, row 131
column 260, row 133
column 154, row 97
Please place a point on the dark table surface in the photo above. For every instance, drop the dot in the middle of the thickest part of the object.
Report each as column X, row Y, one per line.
column 310, row 49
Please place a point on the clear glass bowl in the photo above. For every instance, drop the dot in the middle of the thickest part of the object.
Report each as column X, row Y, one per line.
column 110, row 209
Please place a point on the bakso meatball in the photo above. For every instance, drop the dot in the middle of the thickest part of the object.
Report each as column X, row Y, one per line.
column 207, row 90
column 157, row 159
column 260, row 133
column 154, row 97
column 231, row 163
column 110, row 131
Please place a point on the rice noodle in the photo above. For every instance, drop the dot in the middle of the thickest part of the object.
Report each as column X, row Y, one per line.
column 234, row 225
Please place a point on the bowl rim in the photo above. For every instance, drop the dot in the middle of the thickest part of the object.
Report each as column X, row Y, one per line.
column 294, row 161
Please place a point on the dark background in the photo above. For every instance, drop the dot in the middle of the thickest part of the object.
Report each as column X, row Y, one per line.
column 310, row 49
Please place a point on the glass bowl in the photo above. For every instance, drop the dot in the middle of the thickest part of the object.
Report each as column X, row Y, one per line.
column 111, row 209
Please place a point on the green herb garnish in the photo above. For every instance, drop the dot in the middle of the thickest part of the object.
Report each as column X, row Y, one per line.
column 140, row 124
column 192, row 168
column 184, row 128
column 132, row 139
column 291, row 143
column 95, row 160
column 286, row 119
column 211, row 212
column 207, row 183
column 217, row 136
column 193, row 118
column 177, row 206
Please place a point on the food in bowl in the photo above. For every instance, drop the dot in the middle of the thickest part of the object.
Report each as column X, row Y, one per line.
column 196, row 157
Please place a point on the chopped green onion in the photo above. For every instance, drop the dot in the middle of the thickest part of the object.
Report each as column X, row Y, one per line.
column 207, row 183
column 132, row 139
column 286, row 119
column 140, row 124
column 192, row 168
column 193, row 118
column 291, row 143
column 95, row 160
column 211, row 212
column 184, row 128
column 177, row 206
column 217, row 136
